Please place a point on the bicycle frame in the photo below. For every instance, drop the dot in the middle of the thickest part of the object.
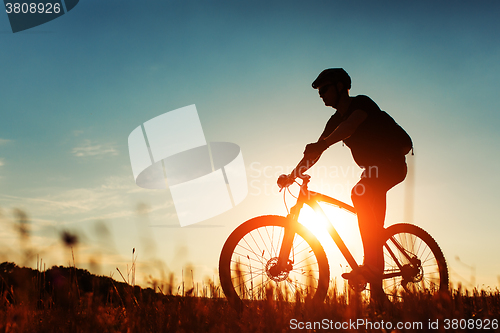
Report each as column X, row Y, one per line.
column 313, row 199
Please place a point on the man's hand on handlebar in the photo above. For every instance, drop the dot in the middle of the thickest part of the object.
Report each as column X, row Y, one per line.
column 312, row 153
column 307, row 162
column 285, row 181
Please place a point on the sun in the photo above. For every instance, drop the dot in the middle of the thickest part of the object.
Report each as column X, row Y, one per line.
column 316, row 224
column 347, row 227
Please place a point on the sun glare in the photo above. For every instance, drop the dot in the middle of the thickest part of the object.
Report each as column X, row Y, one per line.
column 347, row 227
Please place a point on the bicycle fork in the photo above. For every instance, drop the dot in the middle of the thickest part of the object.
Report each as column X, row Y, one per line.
column 284, row 264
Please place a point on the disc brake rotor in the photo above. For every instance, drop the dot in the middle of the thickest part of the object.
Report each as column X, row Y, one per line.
column 275, row 273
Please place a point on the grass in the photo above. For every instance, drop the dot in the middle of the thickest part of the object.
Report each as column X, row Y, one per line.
column 68, row 299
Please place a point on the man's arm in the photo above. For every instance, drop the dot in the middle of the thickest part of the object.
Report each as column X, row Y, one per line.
column 346, row 128
column 343, row 131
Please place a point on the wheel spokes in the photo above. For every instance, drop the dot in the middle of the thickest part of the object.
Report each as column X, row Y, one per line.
column 254, row 272
column 410, row 265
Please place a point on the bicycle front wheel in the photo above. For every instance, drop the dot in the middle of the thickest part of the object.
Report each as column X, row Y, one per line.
column 413, row 262
column 248, row 263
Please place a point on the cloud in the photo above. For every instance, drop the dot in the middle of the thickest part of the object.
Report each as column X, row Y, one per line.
column 2, row 163
column 4, row 141
column 88, row 148
column 115, row 199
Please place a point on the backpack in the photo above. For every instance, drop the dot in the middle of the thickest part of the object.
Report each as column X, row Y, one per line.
column 378, row 136
column 394, row 136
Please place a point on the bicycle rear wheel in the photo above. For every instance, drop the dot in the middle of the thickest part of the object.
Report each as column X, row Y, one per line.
column 413, row 262
column 248, row 270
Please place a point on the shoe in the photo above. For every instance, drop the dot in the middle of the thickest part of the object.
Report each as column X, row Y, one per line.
column 362, row 273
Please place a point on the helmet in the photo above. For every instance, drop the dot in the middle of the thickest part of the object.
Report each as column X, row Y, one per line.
column 333, row 75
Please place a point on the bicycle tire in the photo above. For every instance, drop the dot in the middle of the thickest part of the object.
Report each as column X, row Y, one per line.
column 427, row 272
column 253, row 247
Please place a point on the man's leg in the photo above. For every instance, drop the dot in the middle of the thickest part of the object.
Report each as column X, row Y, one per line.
column 370, row 203
column 369, row 199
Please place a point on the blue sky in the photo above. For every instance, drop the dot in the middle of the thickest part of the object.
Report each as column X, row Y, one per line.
column 73, row 89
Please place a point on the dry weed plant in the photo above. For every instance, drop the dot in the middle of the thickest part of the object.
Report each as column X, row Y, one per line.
column 69, row 299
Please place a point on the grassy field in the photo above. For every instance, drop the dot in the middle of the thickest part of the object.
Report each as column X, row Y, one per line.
column 67, row 299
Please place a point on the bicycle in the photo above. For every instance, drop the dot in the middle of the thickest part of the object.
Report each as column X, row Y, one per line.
column 276, row 257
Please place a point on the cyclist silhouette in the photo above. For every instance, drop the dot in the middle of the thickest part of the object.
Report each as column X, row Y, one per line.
column 378, row 145
column 276, row 257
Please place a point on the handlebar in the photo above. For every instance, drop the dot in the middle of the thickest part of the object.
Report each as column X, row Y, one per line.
column 305, row 164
